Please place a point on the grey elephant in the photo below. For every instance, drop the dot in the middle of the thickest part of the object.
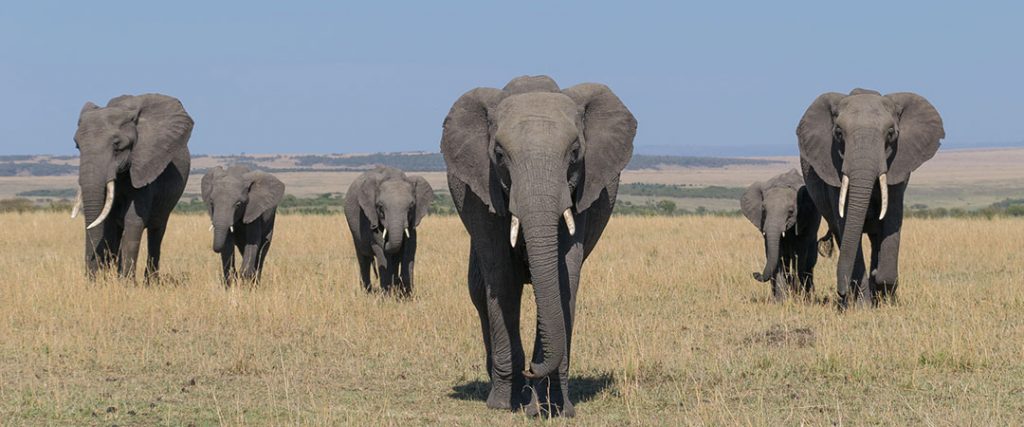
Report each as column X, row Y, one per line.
column 383, row 207
column 783, row 211
column 134, row 164
column 243, row 208
column 857, row 152
column 533, row 171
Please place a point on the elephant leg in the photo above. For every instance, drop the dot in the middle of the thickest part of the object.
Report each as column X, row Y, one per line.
column 551, row 393
column 154, row 237
column 131, row 239
column 261, row 259
column 227, row 264
column 499, row 310
column 408, row 263
column 365, row 264
column 806, row 259
column 861, row 289
column 885, row 264
column 252, row 234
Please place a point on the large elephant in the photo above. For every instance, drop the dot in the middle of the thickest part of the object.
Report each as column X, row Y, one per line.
column 857, row 152
column 134, row 163
column 383, row 207
column 520, row 161
column 243, row 208
column 783, row 211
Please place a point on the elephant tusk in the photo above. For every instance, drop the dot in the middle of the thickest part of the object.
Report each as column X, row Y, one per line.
column 514, row 233
column 406, row 232
column 107, row 204
column 231, row 229
column 783, row 234
column 884, row 186
column 77, row 207
column 569, row 223
column 211, row 226
column 842, row 195
column 384, row 236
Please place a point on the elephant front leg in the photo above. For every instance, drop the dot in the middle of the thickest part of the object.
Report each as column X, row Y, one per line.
column 131, row 239
column 227, row 263
column 365, row 264
column 885, row 265
column 806, row 259
column 251, row 251
column 154, row 237
column 498, row 298
column 407, row 264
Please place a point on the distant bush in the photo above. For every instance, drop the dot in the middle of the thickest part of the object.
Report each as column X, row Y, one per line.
column 62, row 193
column 35, row 169
column 641, row 161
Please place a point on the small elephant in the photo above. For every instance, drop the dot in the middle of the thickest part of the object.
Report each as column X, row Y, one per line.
column 533, row 170
column 785, row 214
column 243, row 207
column 383, row 207
column 857, row 152
column 134, row 164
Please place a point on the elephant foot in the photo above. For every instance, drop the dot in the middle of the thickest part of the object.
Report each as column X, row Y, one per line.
column 505, row 395
column 842, row 302
column 548, row 399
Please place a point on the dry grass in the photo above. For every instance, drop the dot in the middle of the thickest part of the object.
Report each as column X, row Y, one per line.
column 672, row 330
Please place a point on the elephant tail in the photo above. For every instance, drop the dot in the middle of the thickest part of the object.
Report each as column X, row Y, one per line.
column 826, row 244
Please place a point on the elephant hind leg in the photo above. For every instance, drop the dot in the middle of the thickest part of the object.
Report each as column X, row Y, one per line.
column 154, row 239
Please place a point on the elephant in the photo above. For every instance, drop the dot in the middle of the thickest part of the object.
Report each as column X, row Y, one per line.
column 784, row 213
column 857, row 152
column 533, row 171
column 134, row 164
column 243, row 208
column 383, row 207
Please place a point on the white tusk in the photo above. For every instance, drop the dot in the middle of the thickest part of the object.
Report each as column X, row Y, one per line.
column 107, row 204
column 78, row 204
column 384, row 236
column 211, row 226
column 406, row 232
column 231, row 229
column 783, row 234
column 884, row 186
column 842, row 195
column 569, row 223
column 514, row 233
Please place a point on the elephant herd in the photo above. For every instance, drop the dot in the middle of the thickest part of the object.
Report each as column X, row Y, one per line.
column 533, row 170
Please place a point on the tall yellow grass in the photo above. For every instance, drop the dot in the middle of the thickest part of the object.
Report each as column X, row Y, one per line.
column 671, row 330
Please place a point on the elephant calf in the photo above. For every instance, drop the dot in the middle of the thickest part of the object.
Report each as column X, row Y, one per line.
column 783, row 211
column 242, row 206
column 383, row 208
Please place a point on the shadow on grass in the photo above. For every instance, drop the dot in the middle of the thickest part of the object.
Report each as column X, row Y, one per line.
column 581, row 389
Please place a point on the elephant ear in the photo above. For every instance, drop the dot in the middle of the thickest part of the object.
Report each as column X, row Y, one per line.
column 424, row 195
column 465, row 142
column 265, row 193
column 752, row 204
column 207, row 185
column 608, row 131
column 920, row 129
column 365, row 188
column 815, row 136
column 164, row 128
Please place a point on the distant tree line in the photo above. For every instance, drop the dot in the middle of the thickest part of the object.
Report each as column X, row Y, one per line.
column 681, row 192
column 333, row 203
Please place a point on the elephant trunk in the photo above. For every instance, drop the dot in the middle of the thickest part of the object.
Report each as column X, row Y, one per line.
column 858, row 201
column 94, row 200
column 772, row 240
column 395, row 234
column 540, row 213
column 222, row 226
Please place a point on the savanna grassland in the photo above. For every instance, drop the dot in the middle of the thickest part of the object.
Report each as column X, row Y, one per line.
column 671, row 330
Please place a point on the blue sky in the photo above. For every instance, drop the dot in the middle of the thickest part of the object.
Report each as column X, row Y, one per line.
column 724, row 78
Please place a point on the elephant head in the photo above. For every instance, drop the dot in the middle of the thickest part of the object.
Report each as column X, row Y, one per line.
column 535, row 155
column 238, row 195
column 394, row 203
column 863, row 141
column 137, row 135
column 773, row 207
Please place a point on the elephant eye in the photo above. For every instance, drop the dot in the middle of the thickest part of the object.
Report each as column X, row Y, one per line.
column 499, row 154
column 838, row 131
column 574, row 154
column 891, row 134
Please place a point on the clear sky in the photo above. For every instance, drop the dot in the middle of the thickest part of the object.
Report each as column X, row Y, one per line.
column 288, row 77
